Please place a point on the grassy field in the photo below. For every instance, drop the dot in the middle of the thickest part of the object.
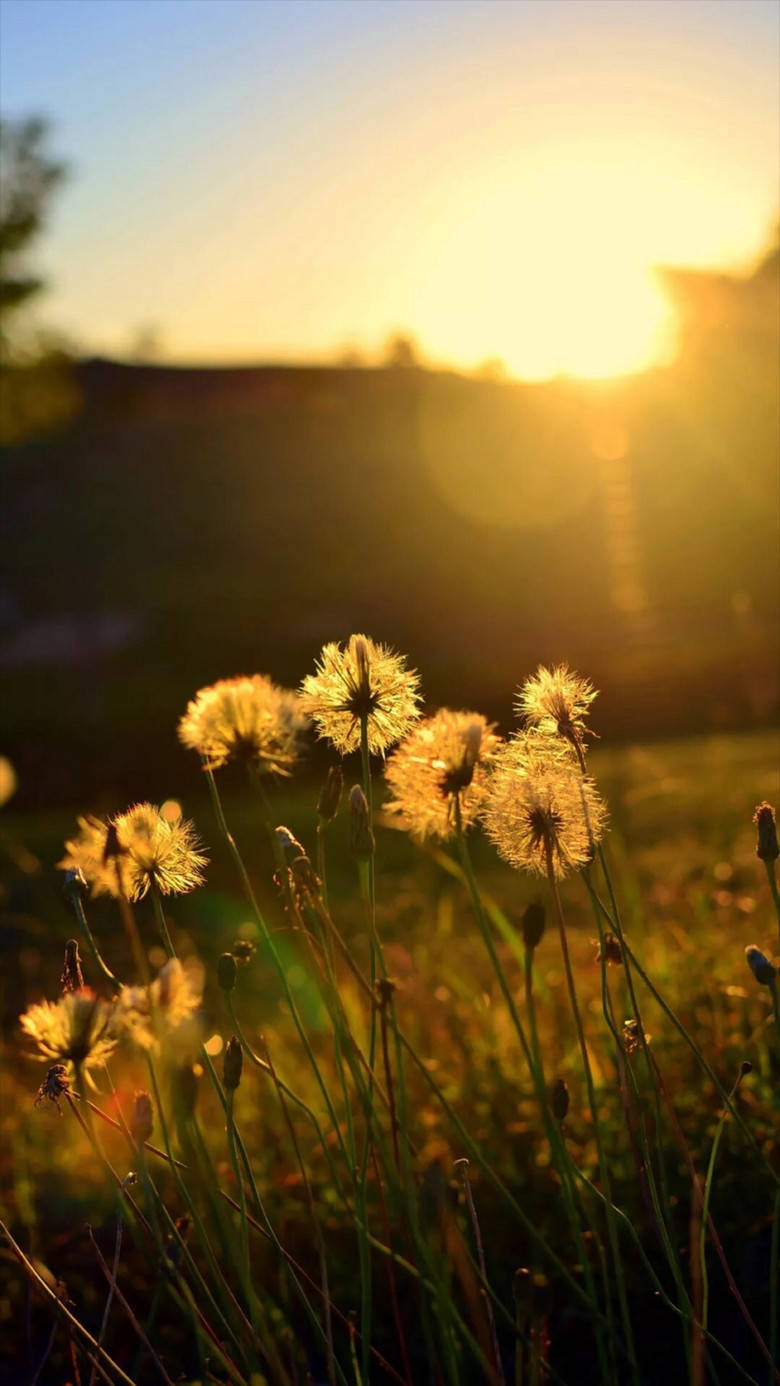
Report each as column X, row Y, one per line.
column 692, row 894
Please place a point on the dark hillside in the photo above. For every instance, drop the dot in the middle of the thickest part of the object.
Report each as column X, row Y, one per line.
column 197, row 523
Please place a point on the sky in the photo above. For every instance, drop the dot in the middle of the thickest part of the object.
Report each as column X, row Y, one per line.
column 260, row 180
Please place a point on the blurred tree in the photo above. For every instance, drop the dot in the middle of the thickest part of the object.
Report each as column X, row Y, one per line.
column 401, row 352
column 36, row 384
column 28, row 177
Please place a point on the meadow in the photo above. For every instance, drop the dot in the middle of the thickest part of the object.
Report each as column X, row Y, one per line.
column 433, row 1118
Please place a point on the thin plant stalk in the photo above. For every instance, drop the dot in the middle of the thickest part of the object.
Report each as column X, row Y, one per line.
column 603, row 1166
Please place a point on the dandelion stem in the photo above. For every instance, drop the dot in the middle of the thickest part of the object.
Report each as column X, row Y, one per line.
column 102, row 966
column 771, row 874
column 162, row 923
column 603, row 1166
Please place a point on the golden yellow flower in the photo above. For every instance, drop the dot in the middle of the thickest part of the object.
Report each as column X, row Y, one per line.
column 556, row 700
column 445, row 755
column 146, row 1014
column 540, row 804
column 78, row 1029
column 360, row 680
column 245, row 718
column 143, row 846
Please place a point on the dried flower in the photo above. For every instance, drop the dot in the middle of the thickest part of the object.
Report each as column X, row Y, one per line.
column 245, row 718
column 557, row 700
column 360, row 680
column 243, row 950
column 54, row 1085
column 763, row 970
column 142, row 1118
column 330, row 795
column 72, row 977
column 767, row 848
column 147, row 1014
column 78, row 1029
column 611, row 950
column 446, row 755
column 139, row 847
column 541, row 808
column 632, row 1036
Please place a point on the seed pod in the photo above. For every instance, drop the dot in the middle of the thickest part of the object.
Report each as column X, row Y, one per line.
column 74, row 885
column 559, row 1099
column 233, row 1063
column 289, row 844
column 226, row 971
column 72, row 978
column 330, row 795
column 767, row 848
column 142, row 1118
column 360, row 835
column 533, row 925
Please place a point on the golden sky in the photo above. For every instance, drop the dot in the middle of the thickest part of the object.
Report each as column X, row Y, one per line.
column 283, row 181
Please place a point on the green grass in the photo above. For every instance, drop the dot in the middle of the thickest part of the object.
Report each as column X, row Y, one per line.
column 692, row 894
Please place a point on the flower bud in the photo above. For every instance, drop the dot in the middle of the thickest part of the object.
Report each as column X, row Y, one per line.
column 142, row 1118
column 763, row 970
column 533, row 925
column 289, row 844
column 74, row 886
column 72, row 978
column 330, row 795
column 226, row 971
column 360, row 835
column 767, row 848
column 559, row 1099
column 233, row 1064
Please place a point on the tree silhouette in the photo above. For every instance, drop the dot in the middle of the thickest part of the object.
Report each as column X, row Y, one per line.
column 28, row 177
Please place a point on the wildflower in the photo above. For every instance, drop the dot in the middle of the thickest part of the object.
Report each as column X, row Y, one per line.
column 445, row 756
column 767, row 848
column 138, row 848
column 763, row 970
column 361, row 681
column 78, row 1029
column 557, row 700
column 245, row 718
column 541, row 811
column 146, row 1014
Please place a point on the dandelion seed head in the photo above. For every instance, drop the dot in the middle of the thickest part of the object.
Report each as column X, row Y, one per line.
column 539, row 804
column 77, row 1030
column 557, row 701
column 444, row 756
column 246, row 718
column 148, row 1015
column 361, row 679
column 140, row 848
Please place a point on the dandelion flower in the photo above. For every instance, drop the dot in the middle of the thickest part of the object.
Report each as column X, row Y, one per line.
column 142, row 848
column 446, row 755
column 557, row 701
column 362, row 679
column 540, row 805
column 146, row 1014
column 78, row 1029
column 245, row 719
